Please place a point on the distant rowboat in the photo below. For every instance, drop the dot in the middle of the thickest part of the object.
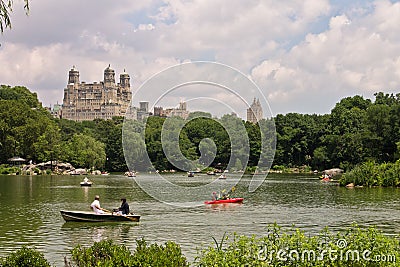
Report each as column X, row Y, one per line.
column 85, row 216
column 86, row 183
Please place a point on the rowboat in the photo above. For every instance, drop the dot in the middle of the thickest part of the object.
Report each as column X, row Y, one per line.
column 86, row 183
column 228, row 200
column 85, row 216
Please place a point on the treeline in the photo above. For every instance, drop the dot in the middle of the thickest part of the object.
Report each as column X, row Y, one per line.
column 357, row 130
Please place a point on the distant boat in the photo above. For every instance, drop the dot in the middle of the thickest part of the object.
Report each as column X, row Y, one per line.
column 105, row 173
column 222, row 201
column 190, row 174
column 222, row 176
column 86, row 182
column 130, row 174
column 85, row 216
column 210, row 173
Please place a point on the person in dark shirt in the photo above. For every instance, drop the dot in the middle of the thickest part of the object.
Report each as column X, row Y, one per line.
column 124, row 209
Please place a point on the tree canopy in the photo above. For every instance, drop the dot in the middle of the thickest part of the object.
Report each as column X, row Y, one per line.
column 357, row 130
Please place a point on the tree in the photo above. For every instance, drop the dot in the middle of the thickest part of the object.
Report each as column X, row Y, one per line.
column 84, row 151
column 6, row 7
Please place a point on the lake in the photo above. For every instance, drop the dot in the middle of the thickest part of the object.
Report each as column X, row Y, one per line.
column 30, row 205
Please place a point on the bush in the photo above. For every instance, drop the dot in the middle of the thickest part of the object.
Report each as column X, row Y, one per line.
column 103, row 253
column 5, row 169
column 25, row 257
column 352, row 247
column 155, row 255
column 372, row 174
column 106, row 253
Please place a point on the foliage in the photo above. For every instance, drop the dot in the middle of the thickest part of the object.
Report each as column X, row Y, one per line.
column 354, row 246
column 5, row 169
column 103, row 253
column 154, row 255
column 84, row 151
column 106, row 253
column 372, row 174
column 357, row 130
column 22, row 122
column 6, row 7
column 25, row 257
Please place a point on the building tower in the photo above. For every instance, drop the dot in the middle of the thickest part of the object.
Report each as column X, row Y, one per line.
column 73, row 76
column 109, row 76
column 124, row 80
column 255, row 112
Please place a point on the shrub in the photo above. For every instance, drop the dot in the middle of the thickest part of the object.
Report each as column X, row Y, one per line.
column 25, row 257
column 106, row 253
column 372, row 174
column 103, row 253
column 158, row 255
column 352, row 247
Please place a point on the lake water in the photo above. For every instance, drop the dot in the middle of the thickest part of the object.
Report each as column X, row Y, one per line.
column 29, row 211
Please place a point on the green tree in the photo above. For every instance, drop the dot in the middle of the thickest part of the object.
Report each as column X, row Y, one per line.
column 48, row 145
column 84, row 151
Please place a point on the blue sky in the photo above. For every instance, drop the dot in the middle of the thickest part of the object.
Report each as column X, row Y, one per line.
column 304, row 55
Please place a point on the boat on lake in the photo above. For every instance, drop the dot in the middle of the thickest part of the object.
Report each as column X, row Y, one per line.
column 222, row 176
column 86, row 182
column 86, row 216
column 130, row 174
column 89, row 183
column 228, row 200
column 190, row 174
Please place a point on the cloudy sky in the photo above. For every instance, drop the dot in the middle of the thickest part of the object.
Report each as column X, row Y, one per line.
column 304, row 55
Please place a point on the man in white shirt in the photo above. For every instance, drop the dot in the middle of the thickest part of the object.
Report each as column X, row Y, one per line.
column 95, row 206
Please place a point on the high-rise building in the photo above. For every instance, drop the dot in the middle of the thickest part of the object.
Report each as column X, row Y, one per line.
column 255, row 112
column 97, row 100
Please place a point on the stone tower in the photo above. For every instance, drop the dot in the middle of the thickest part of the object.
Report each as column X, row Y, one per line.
column 124, row 80
column 109, row 76
column 255, row 112
column 73, row 76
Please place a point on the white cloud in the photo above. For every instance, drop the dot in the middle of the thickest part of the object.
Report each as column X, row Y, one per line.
column 299, row 52
column 353, row 56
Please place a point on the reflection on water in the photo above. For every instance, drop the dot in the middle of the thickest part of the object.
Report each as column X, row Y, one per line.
column 29, row 211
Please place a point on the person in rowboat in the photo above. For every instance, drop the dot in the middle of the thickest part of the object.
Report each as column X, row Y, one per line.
column 124, row 209
column 95, row 206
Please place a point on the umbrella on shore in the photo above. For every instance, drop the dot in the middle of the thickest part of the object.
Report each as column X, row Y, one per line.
column 17, row 160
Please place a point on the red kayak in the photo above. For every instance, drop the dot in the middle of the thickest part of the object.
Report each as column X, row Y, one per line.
column 222, row 201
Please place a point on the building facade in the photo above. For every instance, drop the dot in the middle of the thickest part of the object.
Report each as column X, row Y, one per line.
column 180, row 111
column 97, row 100
column 255, row 112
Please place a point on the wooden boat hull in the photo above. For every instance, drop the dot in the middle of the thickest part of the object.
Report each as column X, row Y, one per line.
column 223, row 201
column 86, row 184
column 82, row 216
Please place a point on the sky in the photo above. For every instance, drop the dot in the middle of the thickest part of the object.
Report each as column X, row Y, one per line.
column 303, row 55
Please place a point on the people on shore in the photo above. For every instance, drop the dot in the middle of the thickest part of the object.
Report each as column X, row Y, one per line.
column 95, row 206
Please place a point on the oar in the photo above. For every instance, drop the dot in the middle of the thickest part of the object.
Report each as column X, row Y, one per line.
column 106, row 210
column 117, row 214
